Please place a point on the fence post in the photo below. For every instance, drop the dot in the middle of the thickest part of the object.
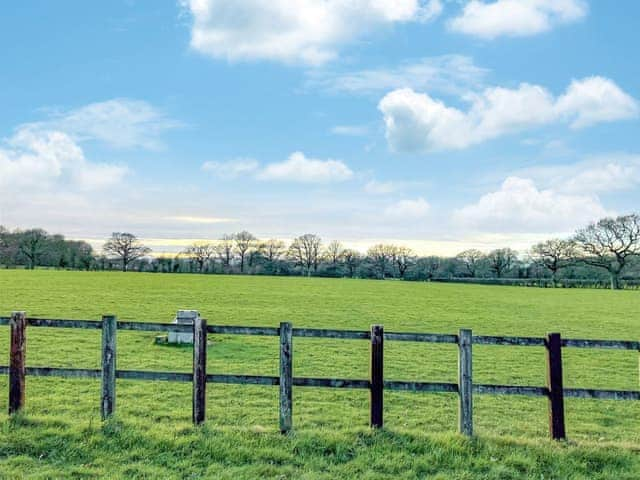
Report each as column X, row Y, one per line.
column 377, row 375
column 286, row 376
column 17, row 367
column 199, row 369
column 465, row 382
column 555, row 385
column 108, row 403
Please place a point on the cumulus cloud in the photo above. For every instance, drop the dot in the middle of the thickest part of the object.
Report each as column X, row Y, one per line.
column 409, row 208
column 120, row 123
column 444, row 73
column 516, row 18
column 520, row 206
column 48, row 158
column 304, row 31
column 417, row 122
column 299, row 168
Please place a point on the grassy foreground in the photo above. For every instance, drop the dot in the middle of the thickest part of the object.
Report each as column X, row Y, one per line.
column 61, row 436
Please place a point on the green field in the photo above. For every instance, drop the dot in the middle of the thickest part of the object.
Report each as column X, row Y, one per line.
column 60, row 434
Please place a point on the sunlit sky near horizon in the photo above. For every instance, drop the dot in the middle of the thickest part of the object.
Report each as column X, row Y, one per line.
column 438, row 124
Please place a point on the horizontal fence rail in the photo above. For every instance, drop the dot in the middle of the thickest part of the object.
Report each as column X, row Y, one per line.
column 465, row 388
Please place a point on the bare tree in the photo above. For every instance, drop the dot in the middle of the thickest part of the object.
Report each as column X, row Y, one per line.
column 554, row 255
column 224, row 249
column 31, row 244
column 334, row 252
column 472, row 260
column 610, row 243
column 501, row 260
column 404, row 258
column 126, row 247
column 382, row 257
column 352, row 259
column 201, row 253
column 243, row 242
column 273, row 249
column 305, row 250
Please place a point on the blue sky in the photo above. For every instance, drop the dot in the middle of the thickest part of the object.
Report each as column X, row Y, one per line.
column 438, row 124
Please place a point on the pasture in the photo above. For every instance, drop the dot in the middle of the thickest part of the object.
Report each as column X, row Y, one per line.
column 60, row 433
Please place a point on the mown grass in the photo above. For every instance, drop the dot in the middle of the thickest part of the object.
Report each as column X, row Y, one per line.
column 60, row 434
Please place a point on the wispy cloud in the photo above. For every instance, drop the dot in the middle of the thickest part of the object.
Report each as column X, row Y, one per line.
column 119, row 122
column 446, row 74
column 350, row 130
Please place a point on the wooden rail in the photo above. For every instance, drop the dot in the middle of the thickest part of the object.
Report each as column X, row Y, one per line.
column 465, row 387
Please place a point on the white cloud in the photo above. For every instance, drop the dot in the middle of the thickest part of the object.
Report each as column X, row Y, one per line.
column 47, row 158
column 418, row 122
column 298, row 168
column 120, row 123
column 603, row 174
column 445, row 73
column 233, row 168
column 305, row 31
column 594, row 100
column 516, row 18
column 350, row 130
column 417, row 208
column 375, row 187
column 520, row 206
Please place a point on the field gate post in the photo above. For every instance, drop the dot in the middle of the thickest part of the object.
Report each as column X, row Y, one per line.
column 553, row 344
column 286, row 376
column 17, row 368
column 465, row 382
column 199, row 369
column 376, row 389
column 108, row 390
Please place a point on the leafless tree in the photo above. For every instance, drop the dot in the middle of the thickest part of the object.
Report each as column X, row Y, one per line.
column 472, row 260
column 554, row 255
column 201, row 253
column 352, row 259
column 501, row 260
column 610, row 243
column 334, row 252
column 224, row 248
column 126, row 247
column 243, row 242
column 404, row 258
column 305, row 251
column 273, row 249
column 382, row 256
column 31, row 244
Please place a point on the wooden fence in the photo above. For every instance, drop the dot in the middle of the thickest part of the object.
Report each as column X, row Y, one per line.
column 376, row 383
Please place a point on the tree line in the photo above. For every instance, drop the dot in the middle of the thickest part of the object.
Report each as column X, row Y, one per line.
column 608, row 249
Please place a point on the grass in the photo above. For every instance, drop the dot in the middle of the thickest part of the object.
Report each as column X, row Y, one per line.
column 60, row 434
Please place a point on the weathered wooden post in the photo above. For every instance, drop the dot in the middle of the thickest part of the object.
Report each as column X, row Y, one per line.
column 199, row 369
column 376, row 391
column 17, row 368
column 108, row 402
column 465, row 382
column 286, row 376
column 553, row 344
